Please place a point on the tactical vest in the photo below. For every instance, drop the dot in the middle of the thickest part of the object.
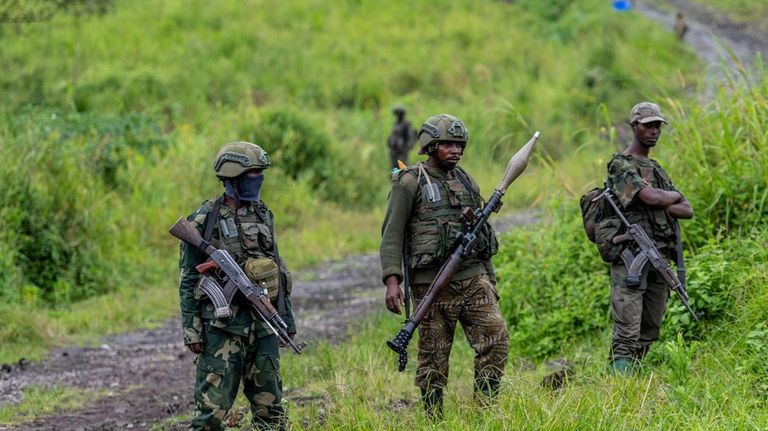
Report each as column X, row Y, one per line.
column 252, row 237
column 249, row 239
column 437, row 221
column 656, row 221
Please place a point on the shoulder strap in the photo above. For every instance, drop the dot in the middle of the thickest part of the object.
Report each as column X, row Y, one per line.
column 267, row 217
column 211, row 221
column 462, row 176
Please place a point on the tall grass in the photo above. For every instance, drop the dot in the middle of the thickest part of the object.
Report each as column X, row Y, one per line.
column 555, row 287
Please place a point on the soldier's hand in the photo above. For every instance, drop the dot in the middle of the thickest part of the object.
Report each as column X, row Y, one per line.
column 283, row 343
column 395, row 297
column 195, row 348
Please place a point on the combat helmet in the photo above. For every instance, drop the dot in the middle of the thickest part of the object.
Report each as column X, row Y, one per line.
column 398, row 110
column 236, row 158
column 439, row 128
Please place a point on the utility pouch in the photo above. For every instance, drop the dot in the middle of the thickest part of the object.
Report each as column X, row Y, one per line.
column 263, row 272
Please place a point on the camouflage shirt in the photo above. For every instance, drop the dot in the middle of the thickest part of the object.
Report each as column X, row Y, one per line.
column 627, row 175
column 256, row 225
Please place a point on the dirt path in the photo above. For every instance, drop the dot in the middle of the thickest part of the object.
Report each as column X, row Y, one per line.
column 144, row 378
column 711, row 36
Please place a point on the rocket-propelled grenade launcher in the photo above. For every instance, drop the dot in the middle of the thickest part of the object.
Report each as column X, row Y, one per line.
column 462, row 247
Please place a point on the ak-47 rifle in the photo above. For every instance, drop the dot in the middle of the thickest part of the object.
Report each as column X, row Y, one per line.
column 465, row 242
column 648, row 253
column 236, row 280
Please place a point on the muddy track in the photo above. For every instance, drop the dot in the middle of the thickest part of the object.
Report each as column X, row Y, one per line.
column 715, row 38
column 141, row 379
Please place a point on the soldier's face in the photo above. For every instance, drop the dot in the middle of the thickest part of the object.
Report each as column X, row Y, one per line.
column 648, row 134
column 448, row 154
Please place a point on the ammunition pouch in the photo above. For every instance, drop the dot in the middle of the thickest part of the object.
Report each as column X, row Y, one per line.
column 264, row 273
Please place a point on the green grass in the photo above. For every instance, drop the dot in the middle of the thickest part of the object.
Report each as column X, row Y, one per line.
column 39, row 401
column 356, row 386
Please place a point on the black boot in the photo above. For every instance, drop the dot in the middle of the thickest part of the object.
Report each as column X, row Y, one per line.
column 486, row 389
column 433, row 402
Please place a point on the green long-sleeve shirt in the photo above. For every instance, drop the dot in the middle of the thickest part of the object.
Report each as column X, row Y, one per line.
column 404, row 206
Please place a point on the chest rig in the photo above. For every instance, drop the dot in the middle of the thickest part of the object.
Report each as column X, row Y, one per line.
column 655, row 221
column 248, row 235
column 437, row 219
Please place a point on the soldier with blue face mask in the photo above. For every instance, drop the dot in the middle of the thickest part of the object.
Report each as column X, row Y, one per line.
column 240, row 348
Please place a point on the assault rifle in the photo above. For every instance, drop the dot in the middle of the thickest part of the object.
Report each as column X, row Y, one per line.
column 462, row 247
column 235, row 280
column 647, row 253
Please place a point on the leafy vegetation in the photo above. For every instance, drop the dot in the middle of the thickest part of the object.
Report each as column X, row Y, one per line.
column 110, row 124
column 555, row 290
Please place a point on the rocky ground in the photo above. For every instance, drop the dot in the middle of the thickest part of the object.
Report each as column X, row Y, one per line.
column 141, row 379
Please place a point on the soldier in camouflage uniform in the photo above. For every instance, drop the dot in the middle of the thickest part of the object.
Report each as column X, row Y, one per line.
column 423, row 218
column 242, row 347
column 650, row 199
column 401, row 139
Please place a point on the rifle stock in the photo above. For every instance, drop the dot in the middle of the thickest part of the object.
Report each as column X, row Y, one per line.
column 462, row 247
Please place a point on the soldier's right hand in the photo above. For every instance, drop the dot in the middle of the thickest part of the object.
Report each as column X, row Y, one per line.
column 395, row 297
column 195, row 348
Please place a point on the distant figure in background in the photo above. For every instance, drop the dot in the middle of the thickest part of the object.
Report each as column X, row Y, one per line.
column 680, row 26
column 401, row 139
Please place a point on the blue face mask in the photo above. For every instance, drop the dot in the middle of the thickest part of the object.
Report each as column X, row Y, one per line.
column 248, row 188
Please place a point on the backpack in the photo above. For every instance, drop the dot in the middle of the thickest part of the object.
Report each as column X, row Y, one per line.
column 591, row 211
column 601, row 224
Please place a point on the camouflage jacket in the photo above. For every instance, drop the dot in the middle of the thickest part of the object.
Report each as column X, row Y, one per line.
column 626, row 175
column 253, row 239
column 426, row 228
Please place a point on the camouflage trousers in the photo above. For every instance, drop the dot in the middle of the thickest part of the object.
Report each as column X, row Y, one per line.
column 474, row 304
column 637, row 311
column 229, row 359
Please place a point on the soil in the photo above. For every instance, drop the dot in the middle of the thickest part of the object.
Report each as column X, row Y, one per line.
column 142, row 379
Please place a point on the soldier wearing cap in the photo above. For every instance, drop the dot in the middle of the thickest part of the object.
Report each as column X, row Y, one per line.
column 648, row 198
column 240, row 348
column 423, row 218
column 401, row 139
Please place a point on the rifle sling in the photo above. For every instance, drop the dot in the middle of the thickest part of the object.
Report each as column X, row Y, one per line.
column 211, row 221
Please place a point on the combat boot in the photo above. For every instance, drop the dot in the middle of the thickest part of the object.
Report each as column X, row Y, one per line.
column 433, row 402
column 621, row 366
column 486, row 390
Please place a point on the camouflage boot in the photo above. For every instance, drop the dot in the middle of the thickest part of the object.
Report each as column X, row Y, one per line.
column 433, row 402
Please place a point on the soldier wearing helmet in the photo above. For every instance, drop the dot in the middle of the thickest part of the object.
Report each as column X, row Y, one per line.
column 401, row 139
column 240, row 348
column 423, row 217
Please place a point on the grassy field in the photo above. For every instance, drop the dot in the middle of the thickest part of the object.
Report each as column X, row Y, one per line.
column 117, row 116
column 111, row 123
